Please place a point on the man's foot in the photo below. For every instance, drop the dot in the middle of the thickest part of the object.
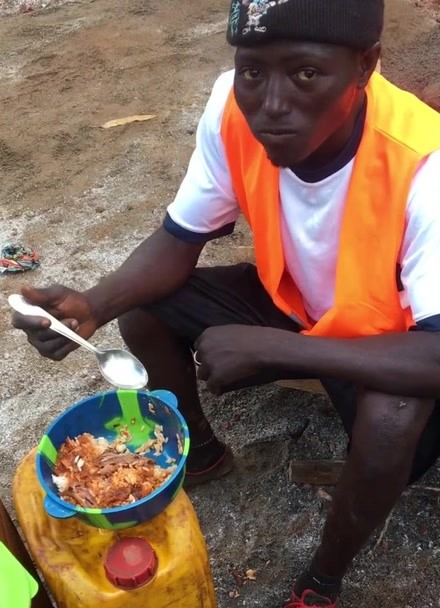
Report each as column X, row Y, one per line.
column 220, row 464
column 311, row 599
column 313, row 589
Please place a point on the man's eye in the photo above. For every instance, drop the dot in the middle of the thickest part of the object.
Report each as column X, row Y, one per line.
column 250, row 73
column 306, row 75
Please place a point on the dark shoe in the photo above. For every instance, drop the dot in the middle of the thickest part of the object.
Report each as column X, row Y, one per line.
column 220, row 468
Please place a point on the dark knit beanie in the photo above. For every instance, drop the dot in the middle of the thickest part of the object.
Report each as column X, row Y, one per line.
column 353, row 23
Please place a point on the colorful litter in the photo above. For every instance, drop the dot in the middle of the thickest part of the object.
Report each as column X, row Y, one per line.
column 18, row 258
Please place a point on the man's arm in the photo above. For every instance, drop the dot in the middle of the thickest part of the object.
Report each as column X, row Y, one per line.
column 396, row 364
column 400, row 364
column 159, row 266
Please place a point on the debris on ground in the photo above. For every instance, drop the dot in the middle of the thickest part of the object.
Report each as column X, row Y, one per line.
column 120, row 122
column 18, row 258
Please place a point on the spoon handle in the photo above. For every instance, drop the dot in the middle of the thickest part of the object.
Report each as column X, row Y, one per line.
column 19, row 304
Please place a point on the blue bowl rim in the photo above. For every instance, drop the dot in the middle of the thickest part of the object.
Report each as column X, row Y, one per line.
column 138, row 503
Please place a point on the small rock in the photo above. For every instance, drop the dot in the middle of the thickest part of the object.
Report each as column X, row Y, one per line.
column 99, row 209
column 320, row 493
column 431, row 95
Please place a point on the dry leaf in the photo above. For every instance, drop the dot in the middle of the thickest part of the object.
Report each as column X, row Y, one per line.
column 251, row 575
column 119, row 122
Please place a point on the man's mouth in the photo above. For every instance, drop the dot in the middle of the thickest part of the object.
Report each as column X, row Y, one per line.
column 278, row 133
column 277, row 138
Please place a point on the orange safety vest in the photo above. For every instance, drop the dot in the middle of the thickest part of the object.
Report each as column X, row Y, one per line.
column 399, row 132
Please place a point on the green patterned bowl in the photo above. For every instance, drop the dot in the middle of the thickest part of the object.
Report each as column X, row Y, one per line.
column 105, row 415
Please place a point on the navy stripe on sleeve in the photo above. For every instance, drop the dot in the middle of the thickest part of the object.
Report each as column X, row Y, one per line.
column 195, row 238
column 429, row 324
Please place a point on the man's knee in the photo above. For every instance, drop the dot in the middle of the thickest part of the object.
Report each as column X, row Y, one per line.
column 137, row 324
column 387, row 431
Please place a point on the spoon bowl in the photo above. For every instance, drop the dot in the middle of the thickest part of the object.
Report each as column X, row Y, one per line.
column 122, row 369
column 119, row 367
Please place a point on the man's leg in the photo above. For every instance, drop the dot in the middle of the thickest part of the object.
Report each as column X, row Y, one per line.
column 170, row 365
column 162, row 335
column 392, row 442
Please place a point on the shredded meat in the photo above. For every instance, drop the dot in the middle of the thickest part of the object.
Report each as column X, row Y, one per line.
column 92, row 473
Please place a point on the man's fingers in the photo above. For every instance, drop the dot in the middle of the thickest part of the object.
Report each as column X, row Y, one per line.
column 46, row 342
column 62, row 353
column 51, row 344
column 55, row 349
column 29, row 323
column 44, row 297
column 39, row 327
column 44, row 335
column 202, row 372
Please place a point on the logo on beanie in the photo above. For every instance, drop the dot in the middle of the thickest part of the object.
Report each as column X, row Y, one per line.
column 256, row 10
column 234, row 17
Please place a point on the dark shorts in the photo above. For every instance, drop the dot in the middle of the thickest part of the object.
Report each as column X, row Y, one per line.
column 226, row 295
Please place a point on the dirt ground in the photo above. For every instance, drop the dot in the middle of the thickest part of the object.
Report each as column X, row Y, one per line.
column 85, row 197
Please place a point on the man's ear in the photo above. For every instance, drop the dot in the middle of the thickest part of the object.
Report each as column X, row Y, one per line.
column 367, row 64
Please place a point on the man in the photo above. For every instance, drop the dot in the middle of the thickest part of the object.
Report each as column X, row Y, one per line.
column 336, row 171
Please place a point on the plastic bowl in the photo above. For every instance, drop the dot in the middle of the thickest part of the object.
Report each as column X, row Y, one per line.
column 105, row 415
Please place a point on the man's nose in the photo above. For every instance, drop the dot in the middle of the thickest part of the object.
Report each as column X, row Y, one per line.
column 276, row 102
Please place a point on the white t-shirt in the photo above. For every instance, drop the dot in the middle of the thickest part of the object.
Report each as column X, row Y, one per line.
column 311, row 214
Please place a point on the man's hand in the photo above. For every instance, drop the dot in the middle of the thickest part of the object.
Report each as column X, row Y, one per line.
column 69, row 306
column 230, row 353
column 157, row 267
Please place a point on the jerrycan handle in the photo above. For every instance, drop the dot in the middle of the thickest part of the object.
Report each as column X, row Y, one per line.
column 56, row 510
column 167, row 397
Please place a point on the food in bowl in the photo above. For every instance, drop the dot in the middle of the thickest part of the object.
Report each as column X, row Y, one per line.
column 90, row 472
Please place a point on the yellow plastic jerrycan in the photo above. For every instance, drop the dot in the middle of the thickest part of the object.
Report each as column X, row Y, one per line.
column 160, row 564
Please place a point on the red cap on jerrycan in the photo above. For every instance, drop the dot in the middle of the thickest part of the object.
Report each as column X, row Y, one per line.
column 131, row 563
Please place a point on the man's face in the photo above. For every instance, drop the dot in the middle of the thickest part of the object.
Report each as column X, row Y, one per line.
column 296, row 95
